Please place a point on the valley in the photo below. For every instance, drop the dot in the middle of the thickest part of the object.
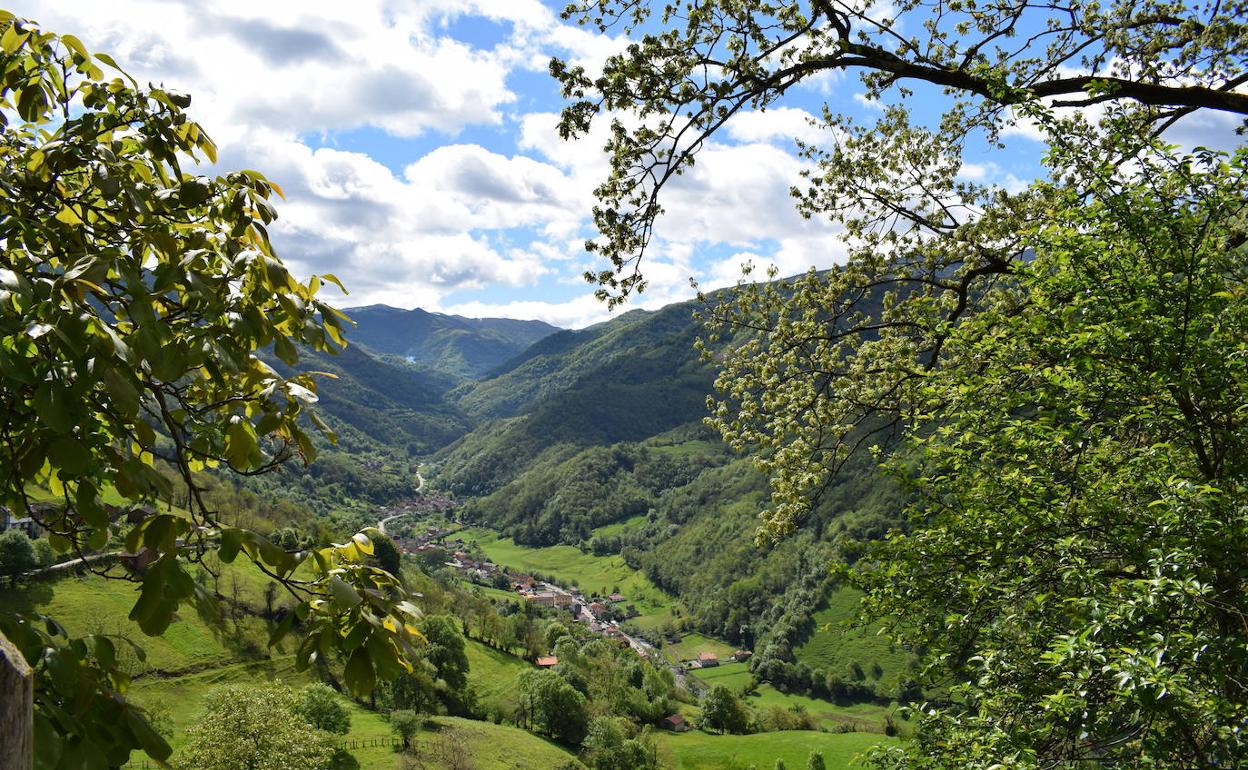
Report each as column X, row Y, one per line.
column 565, row 491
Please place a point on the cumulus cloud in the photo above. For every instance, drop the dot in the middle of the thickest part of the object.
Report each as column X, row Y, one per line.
column 462, row 217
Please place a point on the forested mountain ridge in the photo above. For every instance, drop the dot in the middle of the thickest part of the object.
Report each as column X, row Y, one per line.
column 466, row 347
column 627, row 379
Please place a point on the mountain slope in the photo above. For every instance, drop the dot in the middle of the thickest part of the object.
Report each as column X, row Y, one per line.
column 625, row 380
column 466, row 347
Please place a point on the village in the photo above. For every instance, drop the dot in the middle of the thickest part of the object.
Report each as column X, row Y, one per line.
column 600, row 614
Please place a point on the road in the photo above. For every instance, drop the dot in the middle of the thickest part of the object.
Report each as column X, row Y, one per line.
column 420, row 487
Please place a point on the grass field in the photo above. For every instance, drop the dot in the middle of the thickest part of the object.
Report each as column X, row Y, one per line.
column 692, row 644
column 192, row 658
column 91, row 604
column 733, row 675
column 837, row 641
column 493, row 674
column 867, row 717
column 697, row 750
column 593, row 574
column 619, row 527
column 492, row 747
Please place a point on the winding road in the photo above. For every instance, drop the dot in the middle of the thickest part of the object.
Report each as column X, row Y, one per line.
column 420, row 487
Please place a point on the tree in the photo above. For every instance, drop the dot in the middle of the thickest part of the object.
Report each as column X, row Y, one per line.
column 553, row 706
column 405, row 723
column 780, row 765
column 17, row 553
column 690, row 71
column 608, row 746
column 1037, row 366
column 320, row 707
column 815, row 761
column 137, row 297
column 722, row 710
column 45, row 556
column 254, row 728
column 445, row 650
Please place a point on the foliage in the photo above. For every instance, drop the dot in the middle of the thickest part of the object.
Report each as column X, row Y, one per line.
column 45, row 555
column 815, row 761
column 553, row 706
column 690, row 70
column 255, row 728
column 608, row 746
column 1104, row 471
column 445, row 651
column 405, row 723
column 386, row 554
column 17, row 553
column 137, row 297
column 1057, row 370
column 320, row 707
column 722, row 710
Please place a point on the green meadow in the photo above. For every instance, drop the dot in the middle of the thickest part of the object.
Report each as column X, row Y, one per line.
column 696, row 750
column 692, row 644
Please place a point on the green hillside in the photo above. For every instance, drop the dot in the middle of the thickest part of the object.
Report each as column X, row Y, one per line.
column 464, row 347
column 837, row 643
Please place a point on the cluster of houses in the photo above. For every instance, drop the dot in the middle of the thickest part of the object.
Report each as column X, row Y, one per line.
column 591, row 611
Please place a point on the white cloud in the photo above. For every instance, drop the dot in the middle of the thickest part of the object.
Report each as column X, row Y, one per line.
column 460, row 217
column 782, row 124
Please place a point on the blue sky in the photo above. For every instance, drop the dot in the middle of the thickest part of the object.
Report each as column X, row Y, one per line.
column 416, row 144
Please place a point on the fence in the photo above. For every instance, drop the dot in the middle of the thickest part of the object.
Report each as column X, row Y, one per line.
column 341, row 743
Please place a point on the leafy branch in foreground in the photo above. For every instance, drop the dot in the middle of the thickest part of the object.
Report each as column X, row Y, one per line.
column 136, row 296
column 1058, row 372
column 692, row 67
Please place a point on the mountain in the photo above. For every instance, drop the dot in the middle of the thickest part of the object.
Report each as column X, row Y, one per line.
column 465, row 347
column 627, row 379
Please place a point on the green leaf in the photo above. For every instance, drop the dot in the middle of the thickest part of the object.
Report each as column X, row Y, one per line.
column 240, row 444
column 359, row 674
column 52, row 407
column 69, row 455
column 231, row 541
column 345, row 597
column 155, row 746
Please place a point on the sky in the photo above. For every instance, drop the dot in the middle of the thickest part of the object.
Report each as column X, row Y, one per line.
column 416, row 144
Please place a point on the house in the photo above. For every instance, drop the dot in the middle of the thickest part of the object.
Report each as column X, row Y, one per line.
column 597, row 608
column 25, row 524
column 616, row 598
column 707, row 660
column 547, row 661
column 543, row 598
column 742, row 655
column 674, row 722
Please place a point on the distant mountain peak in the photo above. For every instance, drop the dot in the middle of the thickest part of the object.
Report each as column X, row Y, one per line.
column 465, row 347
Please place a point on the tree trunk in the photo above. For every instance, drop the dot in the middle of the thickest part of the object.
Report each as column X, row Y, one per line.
column 17, row 704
